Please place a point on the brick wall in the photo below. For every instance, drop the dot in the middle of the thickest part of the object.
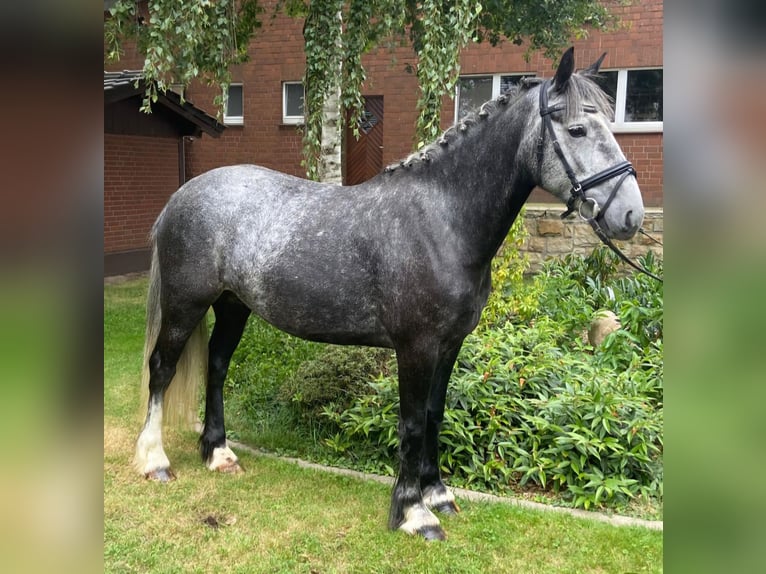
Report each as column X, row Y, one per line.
column 645, row 152
column 276, row 55
column 140, row 174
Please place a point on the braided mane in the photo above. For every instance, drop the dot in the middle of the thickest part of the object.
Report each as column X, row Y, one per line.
column 580, row 91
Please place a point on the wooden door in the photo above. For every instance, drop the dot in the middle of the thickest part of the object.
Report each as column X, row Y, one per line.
column 364, row 157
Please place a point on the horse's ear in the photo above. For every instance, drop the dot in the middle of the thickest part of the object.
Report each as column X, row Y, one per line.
column 565, row 69
column 592, row 70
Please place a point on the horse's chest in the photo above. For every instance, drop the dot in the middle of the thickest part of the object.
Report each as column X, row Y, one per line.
column 450, row 303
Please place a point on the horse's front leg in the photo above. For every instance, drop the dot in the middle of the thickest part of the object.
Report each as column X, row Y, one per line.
column 435, row 494
column 409, row 513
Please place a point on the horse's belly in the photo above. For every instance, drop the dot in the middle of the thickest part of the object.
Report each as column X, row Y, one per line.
column 317, row 312
column 328, row 327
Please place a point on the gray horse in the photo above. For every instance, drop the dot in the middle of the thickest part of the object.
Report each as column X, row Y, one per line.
column 400, row 261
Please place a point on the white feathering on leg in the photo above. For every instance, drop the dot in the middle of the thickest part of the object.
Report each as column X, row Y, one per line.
column 222, row 457
column 150, row 455
column 434, row 498
column 417, row 517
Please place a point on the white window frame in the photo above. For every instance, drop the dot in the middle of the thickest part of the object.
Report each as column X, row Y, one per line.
column 291, row 120
column 620, row 125
column 234, row 120
column 496, row 82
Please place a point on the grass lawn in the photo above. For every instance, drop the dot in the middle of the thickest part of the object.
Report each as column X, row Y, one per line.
column 278, row 517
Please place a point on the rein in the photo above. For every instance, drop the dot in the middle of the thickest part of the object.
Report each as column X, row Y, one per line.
column 577, row 197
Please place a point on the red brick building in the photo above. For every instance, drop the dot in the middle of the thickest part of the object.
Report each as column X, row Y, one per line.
column 263, row 117
column 144, row 163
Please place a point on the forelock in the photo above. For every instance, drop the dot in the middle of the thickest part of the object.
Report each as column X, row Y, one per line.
column 582, row 90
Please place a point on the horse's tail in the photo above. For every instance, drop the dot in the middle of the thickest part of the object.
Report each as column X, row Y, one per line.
column 181, row 397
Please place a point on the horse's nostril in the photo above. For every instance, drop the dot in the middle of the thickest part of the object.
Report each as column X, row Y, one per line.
column 628, row 222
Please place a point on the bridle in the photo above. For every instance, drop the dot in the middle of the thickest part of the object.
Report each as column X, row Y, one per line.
column 577, row 198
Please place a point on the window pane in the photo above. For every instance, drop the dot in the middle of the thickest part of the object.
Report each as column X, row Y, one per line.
column 608, row 83
column 644, row 96
column 506, row 82
column 472, row 93
column 294, row 95
column 234, row 101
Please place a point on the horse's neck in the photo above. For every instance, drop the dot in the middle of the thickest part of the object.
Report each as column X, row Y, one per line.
column 488, row 182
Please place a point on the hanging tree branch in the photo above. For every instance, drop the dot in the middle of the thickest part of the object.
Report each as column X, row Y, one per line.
column 181, row 41
column 439, row 32
column 322, row 35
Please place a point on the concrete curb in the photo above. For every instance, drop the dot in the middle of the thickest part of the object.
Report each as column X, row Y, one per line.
column 614, row 520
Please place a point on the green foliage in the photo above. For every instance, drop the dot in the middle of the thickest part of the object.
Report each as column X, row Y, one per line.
column 367, row 437
column 545, row 25
column 341, row 31
column 264, row 358
column 573, row 287
column 324, row 52
column 367, row 25
column 333, row 379
column 291, row 507
column 183, row 40
column 337, row 34
column 439, row 30
column 507, row 300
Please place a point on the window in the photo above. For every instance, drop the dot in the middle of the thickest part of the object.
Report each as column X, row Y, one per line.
column 637, row 98
column 292, row 102
column 473, row 91
column 234, row 114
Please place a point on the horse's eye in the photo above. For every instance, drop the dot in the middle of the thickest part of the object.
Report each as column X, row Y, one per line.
column 577, row 131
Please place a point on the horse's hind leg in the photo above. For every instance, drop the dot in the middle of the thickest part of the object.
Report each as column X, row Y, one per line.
column 230, row 319
column 175, row 330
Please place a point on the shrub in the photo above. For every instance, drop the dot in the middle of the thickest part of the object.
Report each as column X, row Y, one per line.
column 333, row 378
column 263, row 359
column 510, row 298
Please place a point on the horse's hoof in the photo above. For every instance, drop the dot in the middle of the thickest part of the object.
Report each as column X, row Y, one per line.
column 432, row 533
column 224, row 460
column 231, row 467
column 160, row 475
column 420, row 521
column 448, row 507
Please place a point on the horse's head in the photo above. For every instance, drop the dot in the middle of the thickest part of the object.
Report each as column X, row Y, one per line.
column 577, row 158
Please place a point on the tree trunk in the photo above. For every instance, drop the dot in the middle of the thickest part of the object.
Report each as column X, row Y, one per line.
column 330, row 168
